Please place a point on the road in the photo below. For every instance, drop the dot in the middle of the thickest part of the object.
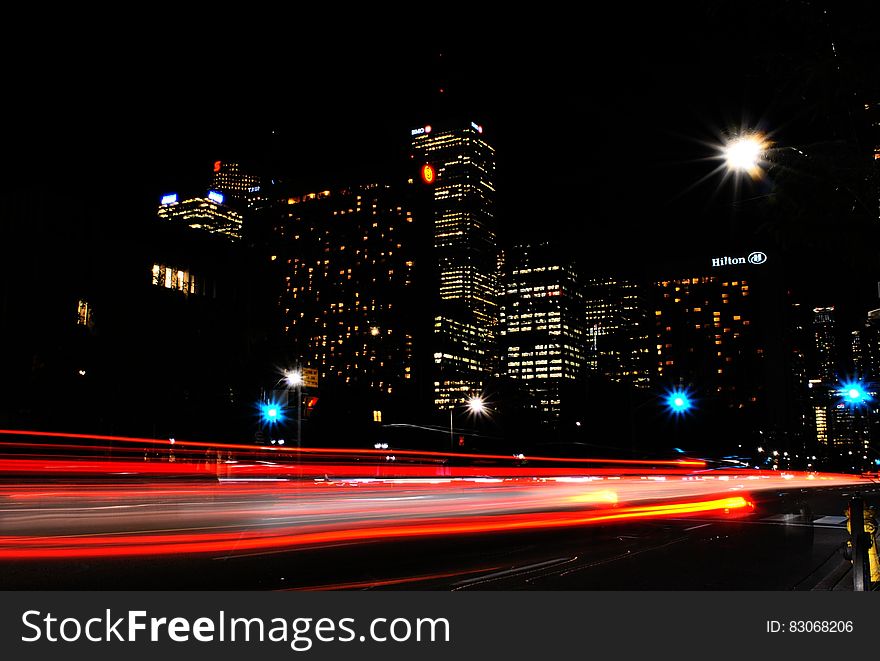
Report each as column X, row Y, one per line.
column 692, row 530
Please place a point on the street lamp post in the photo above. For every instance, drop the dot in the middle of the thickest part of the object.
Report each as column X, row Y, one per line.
column 475, row 405
column 295, row 380
column 451, row 441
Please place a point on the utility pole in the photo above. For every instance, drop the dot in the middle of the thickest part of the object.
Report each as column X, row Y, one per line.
column 299, row 420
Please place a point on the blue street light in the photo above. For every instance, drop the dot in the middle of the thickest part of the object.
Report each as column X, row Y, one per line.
column 853, row 393
column 271, row 412
column 678, row 401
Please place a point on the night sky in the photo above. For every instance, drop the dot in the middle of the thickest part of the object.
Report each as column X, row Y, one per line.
column 601, row 119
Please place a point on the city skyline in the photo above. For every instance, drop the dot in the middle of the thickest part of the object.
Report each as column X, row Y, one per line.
column 450, row 298
column 561, row 120
column 564, row 150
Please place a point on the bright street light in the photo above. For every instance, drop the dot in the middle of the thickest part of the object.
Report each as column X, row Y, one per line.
column 678, row 401
column 745, row 153
column 854, row 393
column 475, row 404
column 271, row 412
column 294, row 378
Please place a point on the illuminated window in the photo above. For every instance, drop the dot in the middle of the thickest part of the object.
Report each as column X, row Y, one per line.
column 178, row 279
column 83, row 313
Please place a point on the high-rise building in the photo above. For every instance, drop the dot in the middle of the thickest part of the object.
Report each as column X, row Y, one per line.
column 825, row 344
column 542, row 325
column 872, row 111
column 797, row 339
column 859, row 357
column 821, row 422
column 704, row 337
column 349, row 298
column 237, row 185
column 846, row 425
column 459, row 165
column 209, row 213
column 822, row 385
column 870, row 368
column 620, row 331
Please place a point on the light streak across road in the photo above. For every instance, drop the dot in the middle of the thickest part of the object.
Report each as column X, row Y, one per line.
column 68, row 501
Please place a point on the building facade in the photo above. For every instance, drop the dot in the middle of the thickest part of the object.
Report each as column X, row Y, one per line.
column 710, row 340
column 236, row 185
column 347, row 258
column 704, row 336
column 620, row 330
column 208, row 213
column 543, row 331
column 459, row 166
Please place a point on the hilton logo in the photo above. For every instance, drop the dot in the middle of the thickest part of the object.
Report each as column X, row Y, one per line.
column 753, row 258
column 757, row 258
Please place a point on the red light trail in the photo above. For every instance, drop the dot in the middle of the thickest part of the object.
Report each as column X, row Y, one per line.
column 145, row 497
column 283, row 451
column 102, row 546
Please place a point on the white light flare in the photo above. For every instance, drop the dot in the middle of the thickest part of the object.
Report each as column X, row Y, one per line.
column 746, row 154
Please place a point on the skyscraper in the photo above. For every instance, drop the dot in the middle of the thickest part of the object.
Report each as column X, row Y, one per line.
column 824, row 375
column 704, row 337
column 459, row 165
column 347, row 258
column 209, row 213
column 230, row 179
column 797, row 340
column 707, row 341
column 619, row 330
column 543, row 325
column 825, row 344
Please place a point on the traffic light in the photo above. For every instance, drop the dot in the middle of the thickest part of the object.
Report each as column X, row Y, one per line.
column 310, row 403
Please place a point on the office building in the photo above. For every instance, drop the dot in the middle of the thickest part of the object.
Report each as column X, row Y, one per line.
column 237, row 186
column 830, row 421
column 825, row 344
column 458, row 165
column 542, row 328
column 208, row 213
column 704, row 337
column 349, row 304
column 620, row 330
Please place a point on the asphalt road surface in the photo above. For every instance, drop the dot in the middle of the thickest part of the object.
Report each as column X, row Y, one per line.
column 704, row 531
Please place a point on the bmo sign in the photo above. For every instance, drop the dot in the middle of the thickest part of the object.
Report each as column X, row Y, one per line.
column 422, row 130
column 755, row 258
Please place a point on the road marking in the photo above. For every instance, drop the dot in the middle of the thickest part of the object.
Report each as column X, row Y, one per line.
column 831, row 520
column 702, row 525
column 784, row 518
column 515, row 570
column 623, row 556
column 772, row 523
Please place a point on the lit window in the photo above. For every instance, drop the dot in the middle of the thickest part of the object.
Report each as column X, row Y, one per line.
column 83, row 313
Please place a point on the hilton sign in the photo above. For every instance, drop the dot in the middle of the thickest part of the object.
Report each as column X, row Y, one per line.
column 753, row 258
